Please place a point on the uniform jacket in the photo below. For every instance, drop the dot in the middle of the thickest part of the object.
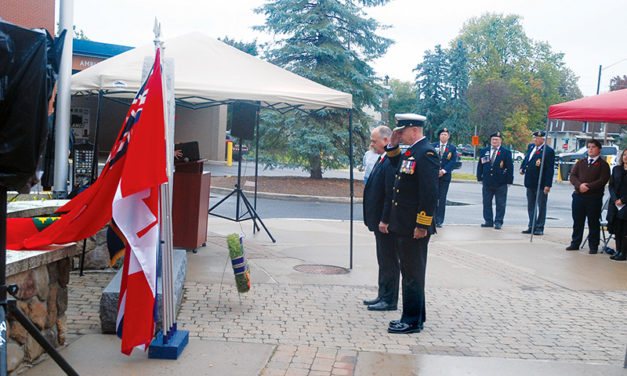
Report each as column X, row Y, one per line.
column 378, row 194
column 448, row 159
column 531, row 167
column 498, row 173
column 415, row 191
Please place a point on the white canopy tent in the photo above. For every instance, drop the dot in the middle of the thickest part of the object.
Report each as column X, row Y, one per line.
column 207, row 73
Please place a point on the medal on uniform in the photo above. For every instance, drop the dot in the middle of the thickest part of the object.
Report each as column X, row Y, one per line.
column 538, row 163
column 501, row 165
column 449, row 155
column 408, row 167
column 485, row 159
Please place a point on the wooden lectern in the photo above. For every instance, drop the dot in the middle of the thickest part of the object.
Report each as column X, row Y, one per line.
column 190, row 204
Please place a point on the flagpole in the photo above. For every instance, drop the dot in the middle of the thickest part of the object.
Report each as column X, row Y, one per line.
column 169, row 342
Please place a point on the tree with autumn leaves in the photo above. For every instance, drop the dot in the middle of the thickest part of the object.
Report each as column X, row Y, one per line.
column 508, row 83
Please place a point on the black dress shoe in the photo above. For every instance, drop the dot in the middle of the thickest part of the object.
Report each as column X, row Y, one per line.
column 498, row 227
column 572, row 248
column 487, row 225
column 382, row 306
column 371, row 302
column 538, row 232
column 593, row 251
column 438, row 225
column 396, row 323
column 620, row 256
column 403, row 328
column 527, row 231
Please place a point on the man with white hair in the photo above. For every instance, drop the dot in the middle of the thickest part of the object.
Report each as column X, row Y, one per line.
column 376, row 204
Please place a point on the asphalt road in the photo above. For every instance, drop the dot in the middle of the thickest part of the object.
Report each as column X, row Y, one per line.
column 464, row 206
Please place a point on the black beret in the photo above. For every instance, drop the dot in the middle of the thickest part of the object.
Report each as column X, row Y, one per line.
column 443, row 130
column 539, row 133
column 497, row 134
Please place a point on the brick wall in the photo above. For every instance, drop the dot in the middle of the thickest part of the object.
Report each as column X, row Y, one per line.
column 29, row 13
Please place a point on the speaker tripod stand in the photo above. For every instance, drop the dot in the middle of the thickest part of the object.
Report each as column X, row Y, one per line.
column 250, row 212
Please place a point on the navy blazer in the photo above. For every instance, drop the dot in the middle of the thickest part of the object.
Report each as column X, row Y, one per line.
column 378, row 194
column 415, row 192
column 448, row 159
column 498, row 173
column 531, row 167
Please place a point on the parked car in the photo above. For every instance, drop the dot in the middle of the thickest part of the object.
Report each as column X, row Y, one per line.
column 466, row 150
column 606, row 151
column 517, row 156
column 236, row 151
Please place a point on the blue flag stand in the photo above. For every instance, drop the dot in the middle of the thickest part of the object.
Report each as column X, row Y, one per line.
column 169, row 341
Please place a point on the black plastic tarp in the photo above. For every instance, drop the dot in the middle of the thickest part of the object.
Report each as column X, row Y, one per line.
column 29, row 63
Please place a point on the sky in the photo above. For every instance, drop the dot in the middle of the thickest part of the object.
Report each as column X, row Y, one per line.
column 589, row 33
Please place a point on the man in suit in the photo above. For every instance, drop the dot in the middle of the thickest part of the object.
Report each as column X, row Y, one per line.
column 588, row 176
column 447, row 154
column 414, row 200
column 534, row 170
column 494, row 170
column 376, row 204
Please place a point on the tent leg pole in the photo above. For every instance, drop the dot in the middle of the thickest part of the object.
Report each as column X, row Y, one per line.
column 352, row 192
column 256, row 154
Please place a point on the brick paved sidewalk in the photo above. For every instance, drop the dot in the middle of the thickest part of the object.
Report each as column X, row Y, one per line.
column 319, row 329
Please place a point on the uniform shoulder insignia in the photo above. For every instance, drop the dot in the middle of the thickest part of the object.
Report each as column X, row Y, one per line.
column 430, row 153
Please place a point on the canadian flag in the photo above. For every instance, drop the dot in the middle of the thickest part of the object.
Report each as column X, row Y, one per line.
column 135, row 210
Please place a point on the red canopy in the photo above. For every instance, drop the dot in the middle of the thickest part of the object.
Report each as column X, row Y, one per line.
column 606, row 108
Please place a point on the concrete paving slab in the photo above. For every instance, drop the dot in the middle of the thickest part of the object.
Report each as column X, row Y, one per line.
column 548, row 260
column 97, row 355
column 382, row 364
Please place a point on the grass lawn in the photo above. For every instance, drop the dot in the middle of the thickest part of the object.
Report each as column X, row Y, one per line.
column 460, row 176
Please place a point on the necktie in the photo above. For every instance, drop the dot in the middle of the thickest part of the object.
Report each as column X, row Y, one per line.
column 493, row 156
column 590, row 161
column 441, row 150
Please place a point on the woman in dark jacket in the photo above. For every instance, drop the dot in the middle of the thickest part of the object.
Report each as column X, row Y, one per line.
column 618, row 199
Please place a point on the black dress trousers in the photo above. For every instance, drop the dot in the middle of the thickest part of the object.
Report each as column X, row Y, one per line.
column 413, row 256
column 389, row 269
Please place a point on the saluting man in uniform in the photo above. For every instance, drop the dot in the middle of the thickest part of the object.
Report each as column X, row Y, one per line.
column 414, row 199
column 495, row 170
column 530, row 167
column 447, row 154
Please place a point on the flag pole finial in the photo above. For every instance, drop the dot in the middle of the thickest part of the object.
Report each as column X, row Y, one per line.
column 157, row 30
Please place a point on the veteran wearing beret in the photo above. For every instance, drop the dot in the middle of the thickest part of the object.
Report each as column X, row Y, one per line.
column 447, row 154
column 414, row 200
column 537, row 173
column 495, row 171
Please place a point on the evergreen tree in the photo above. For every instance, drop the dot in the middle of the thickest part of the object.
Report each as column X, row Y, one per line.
column 250, row 48
column 433, row 90
column 457, row 108
column 330, row 42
